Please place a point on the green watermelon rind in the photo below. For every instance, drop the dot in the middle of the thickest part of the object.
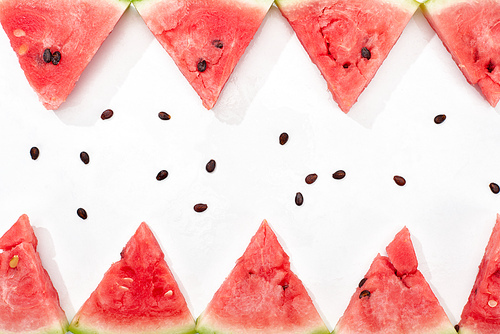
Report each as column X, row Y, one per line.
column 56, row 329
column 213, row 330
column 188, row 329
column 434, row 6
column 410, row 5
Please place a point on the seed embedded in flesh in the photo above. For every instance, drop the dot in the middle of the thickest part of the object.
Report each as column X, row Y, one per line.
column 200, row 207
column 84, row 156
column 202, row 65
column 439, row 118
column 162, row 175
column 311, row 178
column 490, row 67
column 362, row 282
column 19, row 33
column 457, row 327
column 163, row 116
column 365, row 53
column 56, row 57
column 400, row 181
column 81, row 213
column 123, row 287
column 210, row 167
column 34, row 152
column 14, row 261
column 338, row 175
column 47, row 56
column 492, row 303
column 299, row 199
column 169, row 293
column 364, row 293
column 218, row 43
column 346, row 65
column 107, row 114
column 494, row 188
column 283, row 138
column 22, row 50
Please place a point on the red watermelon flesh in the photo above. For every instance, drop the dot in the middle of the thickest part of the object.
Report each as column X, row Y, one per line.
column 470, row 31
column 29, row 303
column 74, row 28
column 348, row 39
column 402, row 254
column 481, row 314
column 261, row 295
column 204, row 38
column 388, row 303
column 138, row 294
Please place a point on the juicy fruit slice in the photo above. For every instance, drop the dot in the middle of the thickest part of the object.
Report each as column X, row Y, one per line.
column 481, row 314
column 470, row 31
column 261, row 295
column 138, row 294
column 29, row 303
column 394, row 297
column 55, row 40
column 204, row 38
column 348, row 39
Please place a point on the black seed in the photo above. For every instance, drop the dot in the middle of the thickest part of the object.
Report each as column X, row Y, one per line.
column 364, row 293
column 490, row 67
column 494, row 188
column 346, row 65
column 284, row 286
column 400, row 181
column 457, row 327
column 107, row 114
column 299, row 199
column 365, row 53
column 210, row 167
column 162, row 175
column 34, row 152
column 338, row 175
column 163, row 116
column 439, row 118
column 81, row 213
column 218, row 43
column 202, row 65
column 56, row 57
column 362, row 282
column 47, row 56
column 283, row 138
column 84, row 156
column 200, row 207
column 311, row 178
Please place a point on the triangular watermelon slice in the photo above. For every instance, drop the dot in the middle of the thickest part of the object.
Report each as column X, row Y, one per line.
column 348, row 39
column 261, row 295
column 29, row 303
column 55, row 40
column 204, row 38
column 394, row 297
column 138, row 294
column 470, row 31
column 481, row 314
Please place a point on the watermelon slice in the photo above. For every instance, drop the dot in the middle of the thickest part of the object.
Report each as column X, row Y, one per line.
column 204, row 38
column 481, row 314
column 29, row 302
column 55, row 40
column 348, row 39
column 470, row 30
column 394, row 297
column 261, row 295
column 138, row 294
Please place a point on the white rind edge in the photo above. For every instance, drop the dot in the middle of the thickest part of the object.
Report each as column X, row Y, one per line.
column 409, row 5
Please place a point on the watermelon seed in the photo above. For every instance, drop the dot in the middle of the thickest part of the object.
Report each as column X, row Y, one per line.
column 14, row 261
column 365, row 53
column 200, row 207
column 299, row 199
column 84, row 156
column 283, row 138
column 494, row 188
column 346, row 65
column 217, row 43
column 490, row 67
column 81, row 213
column 34, row 152
column 400, row 181
column 210, row 167
column 22, row 50
column 19, row 33
column 123, row 288
column 47, row 56
column 56, row 57
column 338, row 175
column 162, row 175
column 364, row 293
column 202, row 65
column 457, row 327
column 107, row 114
column 169, row 293
column 284, row 286
column 163, row 116
column 439, row 118
column 311, row 178
column 492, row 303
column 128, row 279
column 362, row 282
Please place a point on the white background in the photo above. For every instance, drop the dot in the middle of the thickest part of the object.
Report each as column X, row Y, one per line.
column 331, row 239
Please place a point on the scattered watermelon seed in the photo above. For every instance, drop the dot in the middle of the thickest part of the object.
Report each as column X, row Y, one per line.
column 364, row 293
column 34, row 152
column 338, row 175
column 457, row 327
column 365, row 53
column 210, row 167
column 14, row 261
column 299, row 199
column 107, row 114
column 217, row 43
column 400, row 181
column 56, row 57
column 283, row 138
column 84, row 156
column 362, row 282
column 439, row 118
column 200, row 207
column 81, row 213
column 47, row 56
column 162, row 175
column 163, row 116
column 492, row 303
column 311, row 178
column 202, row 65
column 494, row 188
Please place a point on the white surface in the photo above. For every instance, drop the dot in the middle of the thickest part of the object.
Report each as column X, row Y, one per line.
column 342, row 225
